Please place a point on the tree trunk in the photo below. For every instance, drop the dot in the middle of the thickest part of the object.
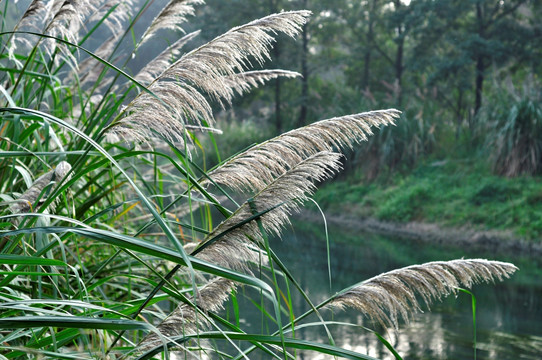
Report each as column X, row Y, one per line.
column 273, row 4
column 399, row 59
column 304, row 71
column 368, row 45
column 480, row 61
column 399, row 69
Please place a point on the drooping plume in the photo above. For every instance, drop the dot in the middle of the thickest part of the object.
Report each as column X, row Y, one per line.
column 388, row 296
column 256, row 167
column 31, row 15
column 90, row 68
column 28, row 198
column 277, row 201
column 66, row 18
column 171, row 17
column 243, row 82
column 114, row 12
column 229, row 53
column 32, row 19
column 185, row 320
column 160, row 63
column 229, row 245
column 176, row 100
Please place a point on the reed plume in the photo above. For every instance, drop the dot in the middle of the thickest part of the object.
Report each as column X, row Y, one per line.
column 387, row 296
column 90, row 68
column 256, row 167
column 25, row 202
column 66, row 18
column 231, row 52
column 175, row 98
column 244, row 81
column 32, row 13
column 280, row 198
column 230, row 245
column 30, row 19
column 185, row 320
column 114, row 13
column 161, row 62
column 171, row 16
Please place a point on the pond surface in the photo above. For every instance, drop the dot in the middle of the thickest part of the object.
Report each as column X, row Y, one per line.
column 508, row 315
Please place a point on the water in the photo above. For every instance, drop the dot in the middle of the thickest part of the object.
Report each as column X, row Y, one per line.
column 509, row 314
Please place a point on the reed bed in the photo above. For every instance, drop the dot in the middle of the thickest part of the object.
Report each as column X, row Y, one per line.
column 114, row 242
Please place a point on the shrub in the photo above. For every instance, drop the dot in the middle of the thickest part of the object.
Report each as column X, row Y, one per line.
column 513, row 127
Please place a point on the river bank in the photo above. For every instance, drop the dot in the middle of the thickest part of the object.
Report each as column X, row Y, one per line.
column 450, row 201
column 492, row 240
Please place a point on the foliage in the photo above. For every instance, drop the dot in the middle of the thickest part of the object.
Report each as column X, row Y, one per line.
column 452, row 192
column 434, row 58
column 109, row 243
column 513, row 123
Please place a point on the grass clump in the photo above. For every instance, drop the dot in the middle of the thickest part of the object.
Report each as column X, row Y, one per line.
column 406, row 205
column 110, row 246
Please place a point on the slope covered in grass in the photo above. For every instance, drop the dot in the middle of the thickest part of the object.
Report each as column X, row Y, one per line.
column 452, row 193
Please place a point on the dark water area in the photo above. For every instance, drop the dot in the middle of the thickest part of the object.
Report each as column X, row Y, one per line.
column 508, row 315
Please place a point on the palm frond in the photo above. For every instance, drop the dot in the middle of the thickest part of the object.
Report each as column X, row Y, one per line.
column 171, row 16
column 256, row 167
column 387, row 296
column 275, row 202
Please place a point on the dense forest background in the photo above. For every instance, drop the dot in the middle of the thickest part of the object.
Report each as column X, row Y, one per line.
column 464, row 73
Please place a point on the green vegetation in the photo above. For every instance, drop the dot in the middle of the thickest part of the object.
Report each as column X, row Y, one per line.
column 451, row 193
column 117, row 240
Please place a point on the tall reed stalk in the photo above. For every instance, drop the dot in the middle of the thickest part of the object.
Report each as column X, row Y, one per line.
column 109, row 246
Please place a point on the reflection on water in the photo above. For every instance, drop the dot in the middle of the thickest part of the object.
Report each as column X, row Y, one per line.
column 509, row 314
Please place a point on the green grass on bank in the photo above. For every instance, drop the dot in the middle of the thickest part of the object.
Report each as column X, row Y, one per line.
column 452, row 193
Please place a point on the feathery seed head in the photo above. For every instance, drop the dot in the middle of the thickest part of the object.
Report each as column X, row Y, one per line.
column 185, row 319
column 113, row 18
column 28, row 198
column 387, row 296
column 67, row 17
column 177, row 102
column 256, row 167
column 160, row 63
column 276, row 201
column 244, row 81
column 171, row 17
